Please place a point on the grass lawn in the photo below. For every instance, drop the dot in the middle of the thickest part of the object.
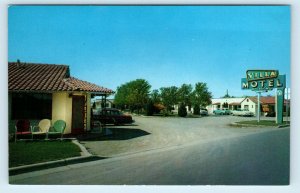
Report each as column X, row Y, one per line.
column 262, row 122
column 30, row 152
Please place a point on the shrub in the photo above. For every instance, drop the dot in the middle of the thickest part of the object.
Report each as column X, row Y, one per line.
column 196, row 110
column 165, row 113
column 158, row 107
column 182, row 111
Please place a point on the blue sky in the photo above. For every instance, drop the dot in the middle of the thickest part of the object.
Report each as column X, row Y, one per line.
column 166, row 45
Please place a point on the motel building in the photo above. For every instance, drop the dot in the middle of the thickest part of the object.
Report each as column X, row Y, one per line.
column 220, row 103
column 48, row 91
column 267, row 104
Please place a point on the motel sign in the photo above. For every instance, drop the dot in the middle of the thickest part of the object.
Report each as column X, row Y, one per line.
column 264, row 84
column 263, row 81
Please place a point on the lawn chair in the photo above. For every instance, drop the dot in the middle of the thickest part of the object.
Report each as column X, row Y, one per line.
column 22, row 128
column 42, row 128
column 57, row 128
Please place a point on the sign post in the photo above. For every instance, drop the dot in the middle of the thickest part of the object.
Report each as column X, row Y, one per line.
column 258, row 106
column 265, row 80
column 280, row 104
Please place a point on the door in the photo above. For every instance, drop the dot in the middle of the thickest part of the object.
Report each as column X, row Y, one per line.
column 78, row 114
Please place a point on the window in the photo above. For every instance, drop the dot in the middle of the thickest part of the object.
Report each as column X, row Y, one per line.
column 247, row 100
column 246, row 107
column 31, row 106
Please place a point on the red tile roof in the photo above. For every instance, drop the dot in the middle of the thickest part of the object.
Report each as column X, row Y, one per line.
column 265, row 100
column 235, row 103
column 81, row 85
column 47, row 77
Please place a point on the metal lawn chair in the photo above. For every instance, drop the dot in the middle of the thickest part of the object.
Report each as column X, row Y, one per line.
column 22, row 127
column 42, row 128
column 57, row 128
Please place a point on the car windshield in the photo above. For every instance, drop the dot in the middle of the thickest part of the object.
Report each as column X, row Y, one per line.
column 111, row 112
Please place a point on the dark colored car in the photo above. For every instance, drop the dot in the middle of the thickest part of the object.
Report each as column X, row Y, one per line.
column 112, row 116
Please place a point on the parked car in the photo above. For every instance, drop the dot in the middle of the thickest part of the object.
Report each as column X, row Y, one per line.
column 112, row 116
column 203, row 112
column 242, row 112
column 223, row 111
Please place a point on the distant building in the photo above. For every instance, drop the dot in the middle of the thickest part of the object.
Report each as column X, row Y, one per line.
column 99, row 104
column 267, row 104
column 229, row 103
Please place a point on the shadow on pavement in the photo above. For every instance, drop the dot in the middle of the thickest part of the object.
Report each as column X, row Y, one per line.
column 114, row 134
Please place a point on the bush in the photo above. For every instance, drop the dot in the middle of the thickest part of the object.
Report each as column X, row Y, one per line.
column 182, row 111
column 196, row 110
column 158, row 108
column 165, row 113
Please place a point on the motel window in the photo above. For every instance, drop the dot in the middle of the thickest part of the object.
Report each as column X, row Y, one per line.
column 31, row 106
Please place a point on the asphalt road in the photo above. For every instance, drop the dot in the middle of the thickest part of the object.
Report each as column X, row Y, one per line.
column 249, row 158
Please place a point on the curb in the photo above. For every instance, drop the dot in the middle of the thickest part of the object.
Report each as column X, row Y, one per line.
column 245, row 125
column 85, row 157
column 84, row 152
column 249, row 125
column 282, row 126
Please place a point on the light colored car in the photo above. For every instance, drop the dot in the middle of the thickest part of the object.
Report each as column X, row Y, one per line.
column 242, row 112
column 203, row 112
column 223, row 111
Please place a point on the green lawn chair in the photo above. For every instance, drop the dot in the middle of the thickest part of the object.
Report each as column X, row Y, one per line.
column 57, row 128
column 41, row 128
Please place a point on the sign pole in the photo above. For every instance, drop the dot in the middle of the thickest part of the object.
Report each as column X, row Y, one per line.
column 258, row 107
column 280, row 102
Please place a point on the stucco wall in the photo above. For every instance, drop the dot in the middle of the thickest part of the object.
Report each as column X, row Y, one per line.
column 62, row 109
column 252, row 106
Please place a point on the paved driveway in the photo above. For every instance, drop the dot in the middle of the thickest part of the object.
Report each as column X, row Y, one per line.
column 150, row 133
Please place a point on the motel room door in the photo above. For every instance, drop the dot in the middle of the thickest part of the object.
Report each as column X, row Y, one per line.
column 78, row 114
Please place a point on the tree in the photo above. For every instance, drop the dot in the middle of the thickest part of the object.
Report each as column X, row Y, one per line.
column 169, row 97
column 182, row 110
column 196, row 110
column 133, row 95
column 226, row 95
column 201, row 96
column 155, row 96
column 150, row 108
column 184, row 94
column 121, row 99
